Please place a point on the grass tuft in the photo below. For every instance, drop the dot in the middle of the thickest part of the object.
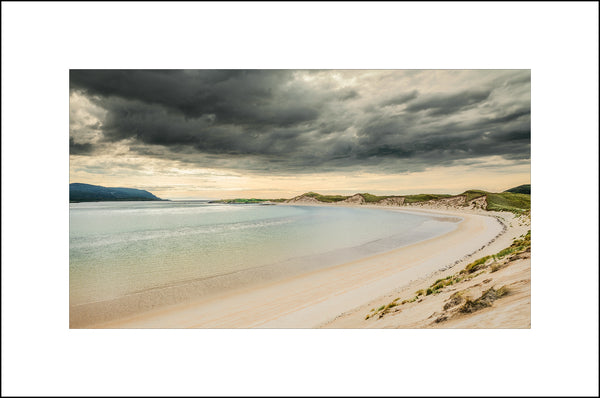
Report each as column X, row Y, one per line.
column 486, row 300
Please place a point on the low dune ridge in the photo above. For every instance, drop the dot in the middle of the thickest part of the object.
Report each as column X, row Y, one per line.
column 516, row 202
column 354, row 199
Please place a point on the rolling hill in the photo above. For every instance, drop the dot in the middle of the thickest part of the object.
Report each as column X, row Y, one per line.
column 526, row 189
column 96, row 193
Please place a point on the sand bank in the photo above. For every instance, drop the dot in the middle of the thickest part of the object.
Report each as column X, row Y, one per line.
column 321, row 297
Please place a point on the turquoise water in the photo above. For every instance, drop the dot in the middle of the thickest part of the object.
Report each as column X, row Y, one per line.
column 120, row 248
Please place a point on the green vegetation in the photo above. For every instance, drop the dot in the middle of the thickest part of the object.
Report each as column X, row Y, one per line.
column 326, row 198
column 247, row 201
column 519, row 245
column 442, row 283
column 384, row 309
column 486, row 300
column 424, row 197
column 475, row 265
column 411, row 300
column 95, row 193
column 240, row 201
column 373, row 198
column 369, row 198
column 504, row 201
column 474, row 194
column 526, row 189
column 454, row 300
column 508, row 201
column 516, row 202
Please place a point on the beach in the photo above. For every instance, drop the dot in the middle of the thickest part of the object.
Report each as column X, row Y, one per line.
column 439, row 311
column 340, row 296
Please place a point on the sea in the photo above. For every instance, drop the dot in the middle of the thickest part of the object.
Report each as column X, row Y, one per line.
column 119, row 249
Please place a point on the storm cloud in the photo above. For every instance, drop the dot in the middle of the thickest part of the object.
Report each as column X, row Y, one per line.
column 294, row 121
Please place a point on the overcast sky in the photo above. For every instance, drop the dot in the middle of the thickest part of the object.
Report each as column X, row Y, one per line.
column 279, row 133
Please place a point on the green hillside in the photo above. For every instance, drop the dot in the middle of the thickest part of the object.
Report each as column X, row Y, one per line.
column 373, row 198
column 326, row 198
column 95, row 193
column 424, row 197
column 526, row 189
column 474, row 194
column 508, row 201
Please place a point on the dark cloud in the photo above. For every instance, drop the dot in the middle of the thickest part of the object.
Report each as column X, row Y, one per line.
column 446, row 104
column 254, row 98
column 401, row 99
column 80, row 149
column 281, row 121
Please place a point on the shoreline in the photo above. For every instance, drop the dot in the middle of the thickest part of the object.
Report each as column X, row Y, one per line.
column 430, row 311
column 97, row 312
column 319, row 297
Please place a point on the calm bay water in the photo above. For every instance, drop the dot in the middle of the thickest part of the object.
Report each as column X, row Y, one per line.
column 120, row 248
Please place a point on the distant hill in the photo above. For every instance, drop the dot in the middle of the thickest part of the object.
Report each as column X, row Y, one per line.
column 95, row 193
column 526, row 189
column 503, row 201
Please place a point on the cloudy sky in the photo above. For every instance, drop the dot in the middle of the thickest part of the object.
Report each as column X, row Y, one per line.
column 278, row 133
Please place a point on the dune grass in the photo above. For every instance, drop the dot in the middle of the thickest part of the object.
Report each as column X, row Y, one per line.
column 424, row 197
column 474, row 194
column 503, row 201
column 485, row 300
column 369, row 198
column 469, row 272
column 326, row 198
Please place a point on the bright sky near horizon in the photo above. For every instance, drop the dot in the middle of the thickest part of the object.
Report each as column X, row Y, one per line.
column 279, row 133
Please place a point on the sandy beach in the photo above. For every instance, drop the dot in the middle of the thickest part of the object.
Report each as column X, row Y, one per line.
column 341, row 295
column 437, row 310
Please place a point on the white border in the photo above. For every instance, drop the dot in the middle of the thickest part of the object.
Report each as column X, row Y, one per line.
column 41, row 41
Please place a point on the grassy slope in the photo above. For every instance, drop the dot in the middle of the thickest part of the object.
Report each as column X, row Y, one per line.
column 326, row 198
column 424, row 197
column 526, row 188
column 508, row 201
column 374, row 198
column 474, row 193
column 503, row 201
